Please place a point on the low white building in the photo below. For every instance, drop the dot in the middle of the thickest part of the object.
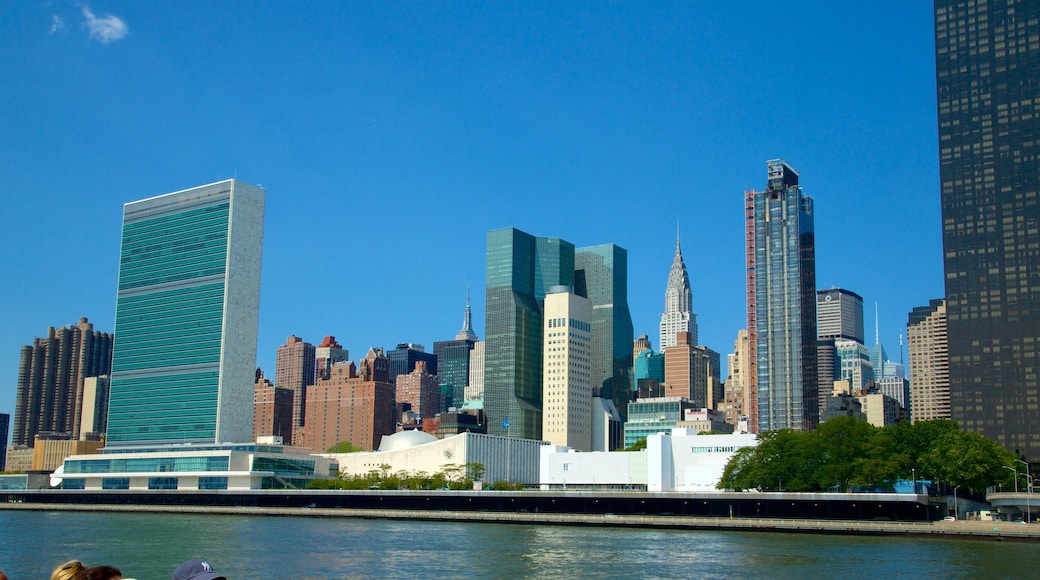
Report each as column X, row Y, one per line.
column 677, row 461
column 504, row 458
column 685, row 461
column 563, row 467
column 193, row 467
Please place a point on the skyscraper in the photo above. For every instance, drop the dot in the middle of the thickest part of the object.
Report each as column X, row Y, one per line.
column 781, row 298
column 326, row 354
column 51, row 373
column 737, row 390
column 928, row 349
column 839, row 314
column 184, row 365
column 453, row 358
column 678, row 313
column 839, row 317
column 351, row 405
column 294, row 369
column 5, row 425
column 421, row 391
column 601, row 275
column 567, row 372
column 403, row 358
column 987, row 65
column 273, row 411
column 475, row 388
column 520, row 270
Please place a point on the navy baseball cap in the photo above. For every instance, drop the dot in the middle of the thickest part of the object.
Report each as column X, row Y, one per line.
column 196, row 570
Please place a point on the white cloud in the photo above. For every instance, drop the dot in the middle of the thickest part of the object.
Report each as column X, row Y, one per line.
column 105, row 29
column 57, row 24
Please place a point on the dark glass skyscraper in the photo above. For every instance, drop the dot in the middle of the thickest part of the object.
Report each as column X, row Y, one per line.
column 781, row 285
column 453, row 359
column 988, row 91
column 520, row 270
column 403, row 358
column 602, row 276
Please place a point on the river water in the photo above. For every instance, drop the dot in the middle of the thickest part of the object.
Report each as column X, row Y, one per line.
column 150, row 546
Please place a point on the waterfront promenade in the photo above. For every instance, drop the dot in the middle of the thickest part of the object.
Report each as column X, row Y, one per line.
column 940, row 529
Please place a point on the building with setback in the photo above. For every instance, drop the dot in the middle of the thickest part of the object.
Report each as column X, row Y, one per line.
column 987, row 69
column 326, row 354
column 186, row 317
column 601, row 275
column 295, row 363
column 928, row 349
column 781, row 303
column 51, row 373
column 403, row 358
column 354, row 405
column 421, row 391
column 520, row 270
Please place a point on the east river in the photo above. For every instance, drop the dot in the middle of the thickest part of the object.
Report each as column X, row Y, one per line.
column 150, row 546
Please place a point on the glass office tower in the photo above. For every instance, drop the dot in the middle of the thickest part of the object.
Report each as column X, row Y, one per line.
column 184, row 359
column 602, row 276
column 520, row 270
column 987, row 60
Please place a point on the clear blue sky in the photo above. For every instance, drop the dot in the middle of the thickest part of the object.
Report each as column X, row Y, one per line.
column 391, row 136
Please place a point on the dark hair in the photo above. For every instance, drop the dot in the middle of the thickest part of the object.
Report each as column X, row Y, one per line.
column 102, row 573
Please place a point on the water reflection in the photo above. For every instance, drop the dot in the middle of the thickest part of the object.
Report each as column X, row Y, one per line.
column 150, row 546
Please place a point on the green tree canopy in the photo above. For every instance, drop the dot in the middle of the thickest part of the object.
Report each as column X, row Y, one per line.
column 844, row 452
column 344, row 447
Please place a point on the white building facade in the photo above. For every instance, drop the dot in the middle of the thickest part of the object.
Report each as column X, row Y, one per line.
column 567, row 369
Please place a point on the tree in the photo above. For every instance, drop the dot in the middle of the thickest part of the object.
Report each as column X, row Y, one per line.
column 637, row 446
column 344, row 447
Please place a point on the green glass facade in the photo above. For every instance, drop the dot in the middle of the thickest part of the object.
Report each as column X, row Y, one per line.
column 186, row 317
column 520, row 270
column 602, row 276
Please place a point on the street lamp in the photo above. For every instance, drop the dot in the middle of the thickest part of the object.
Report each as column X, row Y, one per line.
column 1029, row 491
column 914, row 471
column 1016, row 476
column 956, row 511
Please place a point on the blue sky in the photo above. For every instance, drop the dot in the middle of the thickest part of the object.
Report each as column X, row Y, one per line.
column 391, row 136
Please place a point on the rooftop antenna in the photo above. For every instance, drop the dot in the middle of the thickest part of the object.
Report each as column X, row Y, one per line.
column 877, row 335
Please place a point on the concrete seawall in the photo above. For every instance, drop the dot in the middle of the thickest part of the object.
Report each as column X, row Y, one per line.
column 958, row 529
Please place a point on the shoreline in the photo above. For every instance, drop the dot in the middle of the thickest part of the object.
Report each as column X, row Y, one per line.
column 996, row 531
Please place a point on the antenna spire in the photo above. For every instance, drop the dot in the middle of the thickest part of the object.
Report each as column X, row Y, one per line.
column 877, row 335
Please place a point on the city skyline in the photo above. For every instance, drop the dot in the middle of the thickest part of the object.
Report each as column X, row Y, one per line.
column 636, row 116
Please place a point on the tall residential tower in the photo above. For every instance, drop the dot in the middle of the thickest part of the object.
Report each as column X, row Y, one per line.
column 781, row 303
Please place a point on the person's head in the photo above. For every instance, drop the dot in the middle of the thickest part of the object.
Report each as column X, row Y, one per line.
column 102, row 573
column 3, row 576
column 71, row 570
column 196, row 570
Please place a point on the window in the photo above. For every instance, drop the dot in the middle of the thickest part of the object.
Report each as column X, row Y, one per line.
column 212, row 483
column 162, row 483
column 74, row 484
column 115, row 483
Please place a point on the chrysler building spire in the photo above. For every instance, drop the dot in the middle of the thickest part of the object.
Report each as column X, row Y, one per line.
column 678, row 302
